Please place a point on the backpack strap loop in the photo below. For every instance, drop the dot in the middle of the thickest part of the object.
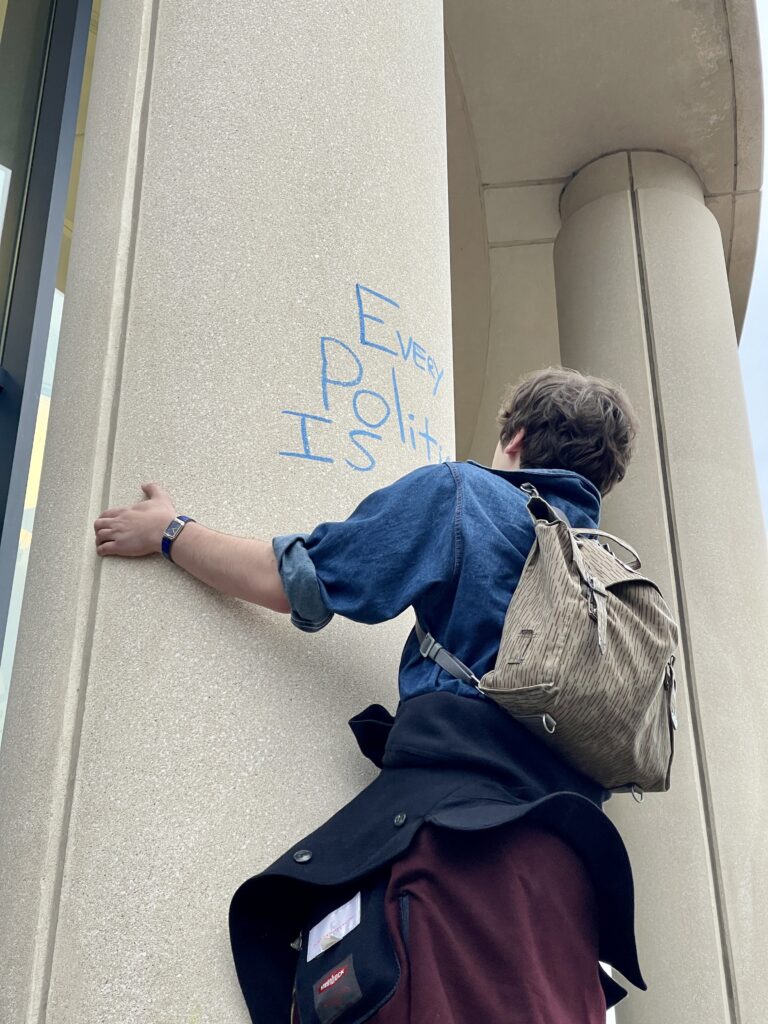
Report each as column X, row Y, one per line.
column 430, row 648
column 634, row 564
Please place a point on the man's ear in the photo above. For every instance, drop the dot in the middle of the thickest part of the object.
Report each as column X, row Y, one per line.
column 515, row 446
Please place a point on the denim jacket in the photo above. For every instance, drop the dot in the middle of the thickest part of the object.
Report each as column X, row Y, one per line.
column 449, row 540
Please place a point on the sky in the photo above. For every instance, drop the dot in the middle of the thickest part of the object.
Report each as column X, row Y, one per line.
column 754, row 338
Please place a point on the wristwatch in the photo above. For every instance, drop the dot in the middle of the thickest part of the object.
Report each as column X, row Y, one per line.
column 172, row 531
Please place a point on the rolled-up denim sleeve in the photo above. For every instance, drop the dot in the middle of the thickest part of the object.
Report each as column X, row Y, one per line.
column 297, row 571
column 398, row 545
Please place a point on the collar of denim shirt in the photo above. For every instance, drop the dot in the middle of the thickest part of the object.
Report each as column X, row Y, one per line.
column 564, row 484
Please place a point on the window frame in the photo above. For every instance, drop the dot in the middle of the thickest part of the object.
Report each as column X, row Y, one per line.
column 34, row 276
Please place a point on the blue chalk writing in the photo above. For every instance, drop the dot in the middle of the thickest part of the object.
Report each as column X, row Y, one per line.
column 353, row 436
column 306, row 453
column 340, row 382
column 363, row 316
column 346, row 374
column 428, row 439
column 373, row 394
column 404, row 352
column 398, row 407
column 420, row 359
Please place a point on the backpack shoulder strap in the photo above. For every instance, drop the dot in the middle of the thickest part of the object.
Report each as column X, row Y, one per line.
column 538, row 508
column 541, row 511
column 430, row 648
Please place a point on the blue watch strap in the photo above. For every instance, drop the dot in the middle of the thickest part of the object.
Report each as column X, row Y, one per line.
column 172, row 531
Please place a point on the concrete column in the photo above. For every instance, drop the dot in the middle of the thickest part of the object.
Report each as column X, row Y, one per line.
column 643, row 298
column 257, row 315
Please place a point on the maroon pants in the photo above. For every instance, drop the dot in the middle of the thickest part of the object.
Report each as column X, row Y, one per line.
column 493, row 927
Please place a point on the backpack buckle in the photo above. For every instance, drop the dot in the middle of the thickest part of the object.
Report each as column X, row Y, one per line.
column 429, row 647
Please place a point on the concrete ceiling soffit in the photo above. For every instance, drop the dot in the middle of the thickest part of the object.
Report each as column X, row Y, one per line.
column 748, row 92
column 741, row 260
column 550, row 86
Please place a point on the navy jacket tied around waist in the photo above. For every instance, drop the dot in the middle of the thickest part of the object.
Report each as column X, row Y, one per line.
column 455, row 763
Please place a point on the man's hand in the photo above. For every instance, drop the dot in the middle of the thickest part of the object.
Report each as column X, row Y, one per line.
column 239, row 566
column 137, row 530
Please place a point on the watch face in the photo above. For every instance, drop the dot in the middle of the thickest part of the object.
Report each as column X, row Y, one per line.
column 173, row 529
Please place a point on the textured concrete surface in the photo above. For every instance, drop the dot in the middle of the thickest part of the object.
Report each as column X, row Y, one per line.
column 722, row 555
column 549, row 87
column 741, row 261
column 240, row 176
column 694, row 849
column 521, row 221
column 524, row 213
column 285, row 155
column 748, row 92
column 470, row 272
column 523, row 330
column 38, row 753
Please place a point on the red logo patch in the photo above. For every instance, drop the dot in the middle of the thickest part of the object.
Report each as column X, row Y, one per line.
column 331, row 980
column 335, row 991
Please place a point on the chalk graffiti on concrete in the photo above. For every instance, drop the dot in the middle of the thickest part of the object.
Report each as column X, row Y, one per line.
column 342, row 373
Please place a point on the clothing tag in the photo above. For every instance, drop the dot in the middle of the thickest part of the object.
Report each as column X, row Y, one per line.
column 333, row 928
column 336, row 991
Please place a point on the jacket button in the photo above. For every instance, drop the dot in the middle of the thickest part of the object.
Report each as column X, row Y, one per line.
column 302, row 856
column 400, row 818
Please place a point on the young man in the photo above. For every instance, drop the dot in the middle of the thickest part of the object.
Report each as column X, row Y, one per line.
column 476, row 878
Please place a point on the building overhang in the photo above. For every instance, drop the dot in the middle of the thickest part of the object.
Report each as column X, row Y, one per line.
column 537, row 89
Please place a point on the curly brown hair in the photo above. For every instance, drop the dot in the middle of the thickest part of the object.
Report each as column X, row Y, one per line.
column 571, row 422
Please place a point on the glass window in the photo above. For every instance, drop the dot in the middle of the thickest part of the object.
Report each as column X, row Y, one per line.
column 23, row 48
column 17, row 118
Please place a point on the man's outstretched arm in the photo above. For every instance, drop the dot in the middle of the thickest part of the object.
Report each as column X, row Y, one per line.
column 238, row 566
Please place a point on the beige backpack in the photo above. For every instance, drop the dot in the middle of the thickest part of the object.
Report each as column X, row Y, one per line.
column 586, row 656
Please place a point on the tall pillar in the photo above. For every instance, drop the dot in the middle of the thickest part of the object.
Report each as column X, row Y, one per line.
column 257, row 315
column 642, row 298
